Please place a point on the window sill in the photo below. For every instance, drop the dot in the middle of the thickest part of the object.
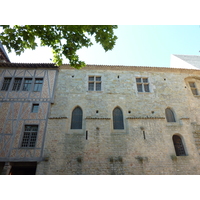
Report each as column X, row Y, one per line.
column 173, row 124
column 76, row 131
column 119, row 131
column 95, row 91
column 144, row 92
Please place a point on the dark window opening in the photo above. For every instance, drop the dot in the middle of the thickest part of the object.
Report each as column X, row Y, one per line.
column 144, row 135
column 86, row 135
column 77, row 117
column 178, row 145
column 35, row 108
column 118, row 121
column 23, row 168
column 1, row 167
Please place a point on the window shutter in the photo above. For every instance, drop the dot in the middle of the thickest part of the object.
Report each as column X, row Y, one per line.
column 169, row 115
column 77, row 116
column 118, row 121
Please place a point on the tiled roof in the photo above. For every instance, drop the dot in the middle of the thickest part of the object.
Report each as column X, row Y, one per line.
column 4, row 52
column 130, row 68
column 29, row 65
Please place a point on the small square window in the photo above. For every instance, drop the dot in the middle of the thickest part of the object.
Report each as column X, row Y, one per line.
column 35, row 108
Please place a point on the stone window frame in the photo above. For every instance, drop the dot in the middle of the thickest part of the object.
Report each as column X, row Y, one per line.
column 193, row 87
column 179, row 146
column 76, row 131
column 95, row 82
column 118, row 119
column 118, row 131
column 73, row 125
column 170, row 115
column 144, row 84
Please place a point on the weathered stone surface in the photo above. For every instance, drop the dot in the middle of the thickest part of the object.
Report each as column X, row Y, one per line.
column 145, row 144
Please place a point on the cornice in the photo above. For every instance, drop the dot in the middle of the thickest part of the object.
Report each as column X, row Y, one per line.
column 131, row 68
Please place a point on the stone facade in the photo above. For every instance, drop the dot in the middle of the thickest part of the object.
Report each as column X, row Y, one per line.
column 144, row 145
column 24, row 102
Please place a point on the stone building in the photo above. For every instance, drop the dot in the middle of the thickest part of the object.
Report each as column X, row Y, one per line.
column 26, row 93
column 101, row 119
column 124, row 120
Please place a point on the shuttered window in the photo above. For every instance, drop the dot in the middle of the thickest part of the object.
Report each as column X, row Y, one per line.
column 169, row 115
column 178, row 145
column 77, row 117
column 118, row 121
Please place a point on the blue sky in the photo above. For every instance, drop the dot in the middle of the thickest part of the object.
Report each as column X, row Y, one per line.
column 137, row 45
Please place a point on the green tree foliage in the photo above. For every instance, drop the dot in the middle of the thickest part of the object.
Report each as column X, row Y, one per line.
column 63, row 39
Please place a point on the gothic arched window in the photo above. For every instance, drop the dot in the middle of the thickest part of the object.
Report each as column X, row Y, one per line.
column 118, row 121
column 77, row 117
column 169, row 115
column 178, row 145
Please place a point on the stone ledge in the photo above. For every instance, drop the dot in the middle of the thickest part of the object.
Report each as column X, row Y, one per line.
column 58, row 118
column 173, row 124
column 25, row 99
column 145, row 117
column 98, row 118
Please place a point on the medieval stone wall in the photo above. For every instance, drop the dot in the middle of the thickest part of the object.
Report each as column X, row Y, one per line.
column 145, row 144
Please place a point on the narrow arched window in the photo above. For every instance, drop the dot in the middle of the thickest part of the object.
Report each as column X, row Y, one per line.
column 77, row 117
column 118, row 121
column 178, row 145
column 169, row 115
